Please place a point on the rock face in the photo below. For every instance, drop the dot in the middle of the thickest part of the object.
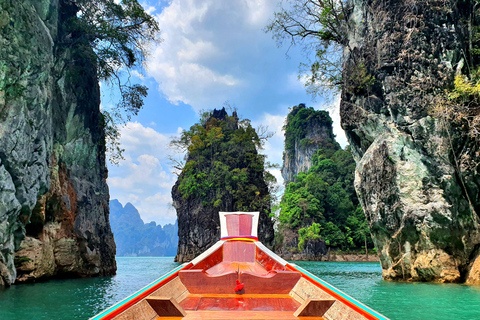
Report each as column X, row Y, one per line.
column 415, row 174
column 314, row 249
column 53, row 192
column 134, row 238
column 312, row 132
column 223, row 172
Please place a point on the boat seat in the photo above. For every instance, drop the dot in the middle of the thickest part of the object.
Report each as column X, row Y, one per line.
column 198, row 281
column 238, row 256
column 278, row 282
column 238, row 267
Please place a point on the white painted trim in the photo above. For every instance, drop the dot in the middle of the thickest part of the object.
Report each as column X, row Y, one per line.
column 223, row 222
column 208, row 252
column 270, row 253
column 256, row 215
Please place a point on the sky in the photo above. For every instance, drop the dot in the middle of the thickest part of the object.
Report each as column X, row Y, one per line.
column 213, row 53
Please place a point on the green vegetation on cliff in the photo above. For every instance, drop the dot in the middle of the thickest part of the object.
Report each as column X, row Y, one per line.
column 223, row 167
column 223, row 172
column 322, row 204
column 298, row 121
column 114, row 36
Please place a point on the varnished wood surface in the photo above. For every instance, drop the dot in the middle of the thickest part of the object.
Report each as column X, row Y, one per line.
column 282, row 296
column 166, row 306
column 211, row 260
column 239, row 251
column 197, row 281
column 239, row 224
column 314, row 307
column 277, row 282
column 232, row 302
column 240, row 315
column 266, row 261
column 226, row 267
column 248, row 315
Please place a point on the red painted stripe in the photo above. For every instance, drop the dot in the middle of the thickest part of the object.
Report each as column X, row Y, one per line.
column 241, row 238
column 129, row 303
column 334, row 294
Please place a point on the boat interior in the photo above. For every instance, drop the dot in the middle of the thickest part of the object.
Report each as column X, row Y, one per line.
column 270, row 287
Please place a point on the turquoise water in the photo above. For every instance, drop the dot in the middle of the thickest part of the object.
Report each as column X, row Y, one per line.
column 83, row 298
column 419, row 301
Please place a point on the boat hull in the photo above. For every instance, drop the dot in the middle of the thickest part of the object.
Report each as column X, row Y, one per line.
column 273, row 289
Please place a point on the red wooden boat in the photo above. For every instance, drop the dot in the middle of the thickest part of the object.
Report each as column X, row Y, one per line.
column 239, row 278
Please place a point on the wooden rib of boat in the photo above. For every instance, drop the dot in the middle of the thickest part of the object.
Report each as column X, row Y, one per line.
column 268, row 287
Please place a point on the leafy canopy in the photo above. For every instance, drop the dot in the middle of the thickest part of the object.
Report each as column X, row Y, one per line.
column 298, row 121
column 322, row 203
column 320, row 27
column 118, row 34
column 223, row 167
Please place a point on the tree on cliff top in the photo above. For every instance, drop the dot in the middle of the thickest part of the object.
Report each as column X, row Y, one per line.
column 320, row 204
column 119, row 33
column 299, row 120
column 223, row 167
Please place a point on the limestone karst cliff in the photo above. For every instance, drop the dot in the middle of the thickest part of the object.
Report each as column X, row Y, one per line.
column 54, row 214
column 305, row 132
column 223, row 172
column 417, row 170
column 319, row 210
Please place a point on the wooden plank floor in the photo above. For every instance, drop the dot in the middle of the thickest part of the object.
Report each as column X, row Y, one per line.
column 234, row 306
column 232, row 302
column 240, row 315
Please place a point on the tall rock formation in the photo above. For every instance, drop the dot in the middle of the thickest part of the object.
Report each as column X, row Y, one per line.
column 223, row 172
column 306, row 131
column 319, row 211
column 53, row 192
column 417, row 174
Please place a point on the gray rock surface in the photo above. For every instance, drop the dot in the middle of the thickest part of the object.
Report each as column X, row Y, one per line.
column 53, row 191
column 415, row 176
column 317, row 133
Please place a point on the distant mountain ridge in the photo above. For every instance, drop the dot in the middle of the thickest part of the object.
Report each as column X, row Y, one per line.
column 134, row 238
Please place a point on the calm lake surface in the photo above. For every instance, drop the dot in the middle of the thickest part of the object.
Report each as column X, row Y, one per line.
column 83, row 298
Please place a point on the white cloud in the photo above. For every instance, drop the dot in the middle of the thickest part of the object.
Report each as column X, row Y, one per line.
column 148, row 9
column 210, row 49
column 137, row 139
column 334, row 110
column 155, row 205
column 143, row 173
column 296, row 82
column 273, row 148
column 144, row 177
